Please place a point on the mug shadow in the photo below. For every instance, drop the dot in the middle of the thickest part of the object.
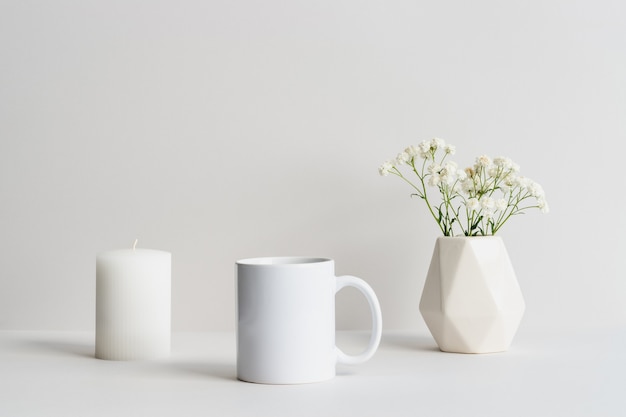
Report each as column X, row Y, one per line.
column 411, row 342
column 216, row 370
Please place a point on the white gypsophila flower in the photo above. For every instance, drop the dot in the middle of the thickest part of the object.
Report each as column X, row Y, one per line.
column 448, row 178
column 535, row 190
column 424, row 149
column 543, row 205
column 523, row 182
column 487, row 203
column 402, row 158
column 451, row 166
column 472, row 204
column 448, row 173
column 461, row 175
column 483, row 161
column 444, row 177
column 385, row 168
column 501, row 204
column 412, row 151
column 450, row 149
column 434, row 168
column 468, row 185
column 503, row 162
column 437, row 143
column 488, row 206
column 511, row 180
column 434, row 180
column 493, row 171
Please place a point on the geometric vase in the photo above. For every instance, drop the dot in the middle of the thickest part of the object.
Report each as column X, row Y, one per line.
column 471, row 302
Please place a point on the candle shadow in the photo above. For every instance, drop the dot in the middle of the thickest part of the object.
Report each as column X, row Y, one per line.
column 84, row 350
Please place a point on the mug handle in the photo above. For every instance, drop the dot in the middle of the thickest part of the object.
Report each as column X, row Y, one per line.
column 377, row 320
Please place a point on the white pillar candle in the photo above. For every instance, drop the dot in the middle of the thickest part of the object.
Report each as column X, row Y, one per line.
column 133, row 304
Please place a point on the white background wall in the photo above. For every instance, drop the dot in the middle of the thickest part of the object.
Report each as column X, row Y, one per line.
column 220, row 129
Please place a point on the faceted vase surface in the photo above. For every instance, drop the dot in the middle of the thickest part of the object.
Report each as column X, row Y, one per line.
column 471, row 302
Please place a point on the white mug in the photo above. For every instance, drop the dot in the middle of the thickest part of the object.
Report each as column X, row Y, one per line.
column 286, row 320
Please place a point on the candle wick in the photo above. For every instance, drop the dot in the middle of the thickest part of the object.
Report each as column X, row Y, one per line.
column 135, row 244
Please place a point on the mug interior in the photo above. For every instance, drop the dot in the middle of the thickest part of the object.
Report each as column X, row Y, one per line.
column 282, row 260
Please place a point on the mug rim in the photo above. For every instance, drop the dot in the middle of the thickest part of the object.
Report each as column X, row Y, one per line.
column 283, row 261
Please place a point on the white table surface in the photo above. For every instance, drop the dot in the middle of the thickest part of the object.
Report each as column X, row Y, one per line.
column 545, row 373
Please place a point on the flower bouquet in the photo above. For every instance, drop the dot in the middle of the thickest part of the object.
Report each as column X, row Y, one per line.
column 477, row 200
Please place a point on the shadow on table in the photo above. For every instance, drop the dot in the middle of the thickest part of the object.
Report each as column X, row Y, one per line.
column 65, row 348
column 221, row 370
column 410, row 342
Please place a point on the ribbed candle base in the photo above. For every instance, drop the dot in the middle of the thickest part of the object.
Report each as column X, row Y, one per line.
column 119, row 347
